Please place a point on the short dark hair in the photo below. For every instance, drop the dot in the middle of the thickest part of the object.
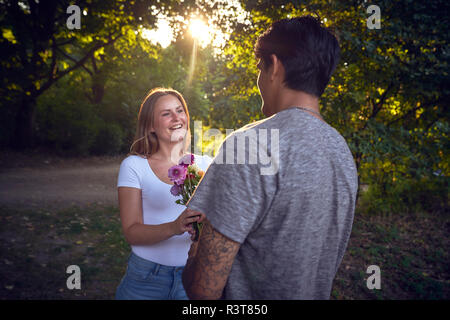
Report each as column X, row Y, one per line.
column 308, row 51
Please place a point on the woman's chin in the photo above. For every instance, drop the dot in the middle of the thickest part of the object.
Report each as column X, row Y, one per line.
column 178, row 135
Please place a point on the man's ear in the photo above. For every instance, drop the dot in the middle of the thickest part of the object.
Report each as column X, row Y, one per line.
column 278, row 68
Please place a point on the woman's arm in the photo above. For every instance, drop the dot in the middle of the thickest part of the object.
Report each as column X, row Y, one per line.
column 136, row 233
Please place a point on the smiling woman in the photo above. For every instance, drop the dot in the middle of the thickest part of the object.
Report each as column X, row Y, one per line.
column 169, row 119
column 155, row 226
column 157, row 113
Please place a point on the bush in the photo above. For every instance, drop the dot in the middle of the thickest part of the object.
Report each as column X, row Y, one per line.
column 68, row 123
column 109, row 140
column 428, row 194
column 68, row 128
column 7, row 122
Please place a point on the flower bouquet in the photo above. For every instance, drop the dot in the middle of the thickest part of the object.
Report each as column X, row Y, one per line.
column 185, row 177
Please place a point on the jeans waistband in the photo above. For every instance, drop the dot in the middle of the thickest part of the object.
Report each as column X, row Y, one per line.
column 156, row 267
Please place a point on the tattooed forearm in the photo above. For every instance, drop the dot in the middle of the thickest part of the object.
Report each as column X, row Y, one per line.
column 206, row 274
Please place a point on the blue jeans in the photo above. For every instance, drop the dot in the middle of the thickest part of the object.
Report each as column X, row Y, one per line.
column 146, row 280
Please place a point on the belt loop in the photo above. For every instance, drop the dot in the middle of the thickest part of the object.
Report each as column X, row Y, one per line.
column 156, row 270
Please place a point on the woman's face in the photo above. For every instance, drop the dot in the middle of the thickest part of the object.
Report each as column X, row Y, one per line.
column 169, row 119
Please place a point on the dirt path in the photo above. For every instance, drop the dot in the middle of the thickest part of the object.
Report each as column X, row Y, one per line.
column 50, row 182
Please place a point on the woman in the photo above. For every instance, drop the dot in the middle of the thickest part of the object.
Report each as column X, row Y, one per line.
column 152, row 222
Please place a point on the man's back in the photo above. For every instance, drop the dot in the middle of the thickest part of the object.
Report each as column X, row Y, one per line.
column 293, row 225
column 297, row 248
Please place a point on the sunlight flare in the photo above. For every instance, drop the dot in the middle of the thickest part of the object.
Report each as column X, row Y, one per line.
column 200, row 31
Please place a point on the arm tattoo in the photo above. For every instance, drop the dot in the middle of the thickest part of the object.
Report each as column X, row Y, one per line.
column 207, row 273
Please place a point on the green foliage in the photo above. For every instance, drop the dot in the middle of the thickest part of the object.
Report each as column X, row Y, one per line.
column 387, row 97
column 109, row 140
column 70, row 124
column 38, row 49
column 406, row 196
column 108, row 126
column 66, row 122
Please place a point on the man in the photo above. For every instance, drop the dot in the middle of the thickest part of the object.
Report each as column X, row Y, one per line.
column 280, row 235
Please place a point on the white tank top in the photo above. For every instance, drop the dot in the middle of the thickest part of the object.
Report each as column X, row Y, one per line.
column 158, row 206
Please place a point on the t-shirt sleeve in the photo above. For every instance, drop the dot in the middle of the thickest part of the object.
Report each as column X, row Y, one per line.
column 129, row 174
column 234, row 197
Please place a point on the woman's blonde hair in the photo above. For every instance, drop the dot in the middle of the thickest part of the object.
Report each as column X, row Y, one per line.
column 145, row 142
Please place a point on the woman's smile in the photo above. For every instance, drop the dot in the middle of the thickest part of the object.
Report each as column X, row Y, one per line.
column 170, row 119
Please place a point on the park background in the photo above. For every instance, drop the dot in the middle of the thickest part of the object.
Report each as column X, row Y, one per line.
column 69, row 101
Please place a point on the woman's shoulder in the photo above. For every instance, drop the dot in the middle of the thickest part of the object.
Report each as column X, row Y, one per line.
column 133, row 160
column 131, row 172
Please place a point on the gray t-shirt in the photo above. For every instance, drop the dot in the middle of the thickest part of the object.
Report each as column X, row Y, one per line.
column 292, row 214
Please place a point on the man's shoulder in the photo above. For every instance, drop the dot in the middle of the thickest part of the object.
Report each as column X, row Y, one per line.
column 252, row 129
column 276, row 121
column 253, row 125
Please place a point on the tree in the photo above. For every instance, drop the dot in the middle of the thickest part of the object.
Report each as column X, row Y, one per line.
column 389, row 93
column 38, row 50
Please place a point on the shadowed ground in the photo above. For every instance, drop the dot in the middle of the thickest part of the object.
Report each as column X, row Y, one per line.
column 62, row 187
column 37, row 180
column 57, row 212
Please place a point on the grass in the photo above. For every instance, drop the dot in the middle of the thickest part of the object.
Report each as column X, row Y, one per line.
column 411, row 251
column 37, row 246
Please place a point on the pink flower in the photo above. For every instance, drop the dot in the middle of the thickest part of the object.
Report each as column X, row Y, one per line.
column 175, row 190
column 187, row 160
column 177, row 174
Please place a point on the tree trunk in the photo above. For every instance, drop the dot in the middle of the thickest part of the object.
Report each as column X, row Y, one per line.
column 98, row 91
column 23, row 137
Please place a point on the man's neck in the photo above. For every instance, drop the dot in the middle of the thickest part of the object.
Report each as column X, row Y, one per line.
column 291, row 98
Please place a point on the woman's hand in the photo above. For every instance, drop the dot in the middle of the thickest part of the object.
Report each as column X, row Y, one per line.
column 196, row 228
column 184, row 222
